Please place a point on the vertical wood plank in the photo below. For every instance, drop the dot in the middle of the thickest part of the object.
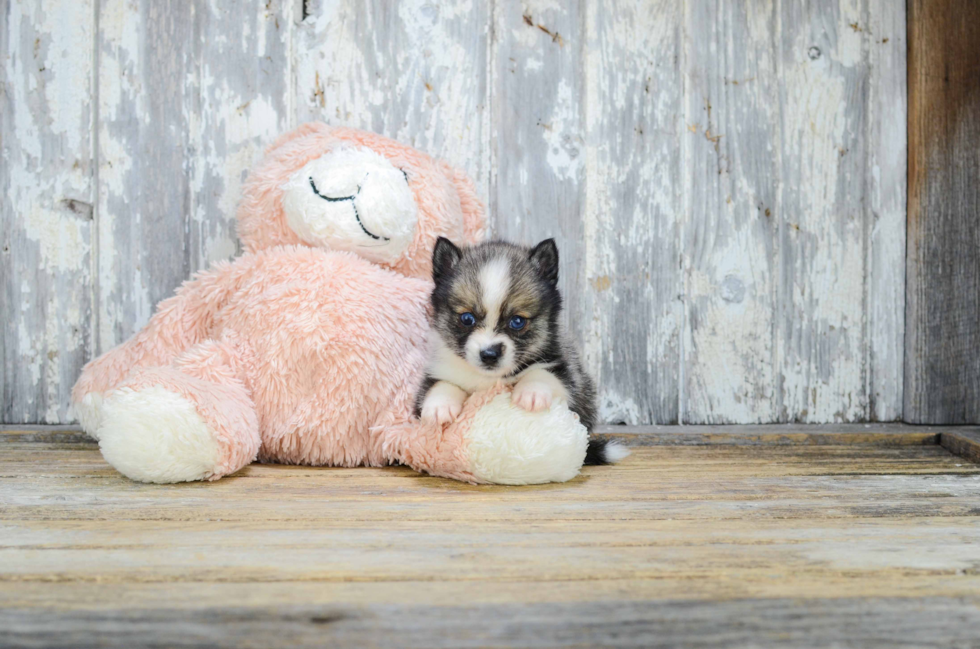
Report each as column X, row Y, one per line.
column 732, row 134
column 538, row 139
column 241, row 103
column 189, row 94
column 821, row 215
column 538, row 130
column 46, row 195
column 942, row 366
column 888, row 155
column 145, row 64
column 415, row 71
column 631, row 315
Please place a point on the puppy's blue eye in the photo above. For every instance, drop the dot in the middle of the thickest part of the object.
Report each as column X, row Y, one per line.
column 517, row 322
column 467, row 319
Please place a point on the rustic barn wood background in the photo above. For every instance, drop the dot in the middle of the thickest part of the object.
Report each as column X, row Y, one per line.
column 727, row 180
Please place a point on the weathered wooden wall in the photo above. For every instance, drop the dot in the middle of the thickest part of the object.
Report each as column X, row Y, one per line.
column 726, row 179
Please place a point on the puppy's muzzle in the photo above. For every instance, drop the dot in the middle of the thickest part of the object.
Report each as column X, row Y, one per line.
column 490, row 356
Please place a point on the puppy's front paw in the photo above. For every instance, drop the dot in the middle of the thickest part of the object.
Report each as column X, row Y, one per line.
column 441, row 413
column 443, row 404
column 532, row 396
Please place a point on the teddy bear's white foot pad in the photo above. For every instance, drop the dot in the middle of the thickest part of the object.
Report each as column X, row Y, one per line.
column 155, row 435
column 508, row 445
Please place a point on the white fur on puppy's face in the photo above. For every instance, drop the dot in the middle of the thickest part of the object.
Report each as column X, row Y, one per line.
column 352, row 199
column 494, row 284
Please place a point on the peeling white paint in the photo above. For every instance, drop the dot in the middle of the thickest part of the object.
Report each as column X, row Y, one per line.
column 120, row 102
column 631, row 210
column 423, row 82
column 45, row 127
column 822, row 342
column 561, row 134
column 615, row 408
column 887, row 202
column 851, row 30
column 61, row 238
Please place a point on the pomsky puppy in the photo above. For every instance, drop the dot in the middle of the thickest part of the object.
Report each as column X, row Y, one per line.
column 496, row 309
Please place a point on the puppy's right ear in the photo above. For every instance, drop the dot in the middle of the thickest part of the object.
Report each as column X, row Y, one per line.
column 544, row 256
column 445, row 256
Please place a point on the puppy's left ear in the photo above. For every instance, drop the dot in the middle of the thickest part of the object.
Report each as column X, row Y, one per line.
column 544, row 257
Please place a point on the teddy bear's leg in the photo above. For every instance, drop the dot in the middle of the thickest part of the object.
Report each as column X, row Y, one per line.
column 430, row 447
column 156, row 345
column 494, row 441
column 192, row 420
column 178, row 323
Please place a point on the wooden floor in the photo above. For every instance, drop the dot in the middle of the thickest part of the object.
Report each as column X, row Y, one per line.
column 723, row 545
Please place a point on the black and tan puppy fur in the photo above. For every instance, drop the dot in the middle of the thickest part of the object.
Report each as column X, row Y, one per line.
column 496, row 309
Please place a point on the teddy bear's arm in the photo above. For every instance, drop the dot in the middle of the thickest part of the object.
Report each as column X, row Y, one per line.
column 178, row 323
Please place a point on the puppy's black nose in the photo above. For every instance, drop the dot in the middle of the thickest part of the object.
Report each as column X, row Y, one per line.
column 490, row 355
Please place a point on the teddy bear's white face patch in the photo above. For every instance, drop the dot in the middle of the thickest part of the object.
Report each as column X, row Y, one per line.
column 352, row 199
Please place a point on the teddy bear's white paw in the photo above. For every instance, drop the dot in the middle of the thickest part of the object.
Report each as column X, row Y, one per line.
column 442, row 404
column 532, row 396
column 155, row 435
column 88, row 411
column 508, row 445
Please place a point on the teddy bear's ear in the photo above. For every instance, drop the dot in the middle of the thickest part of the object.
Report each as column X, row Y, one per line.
column 474, row 218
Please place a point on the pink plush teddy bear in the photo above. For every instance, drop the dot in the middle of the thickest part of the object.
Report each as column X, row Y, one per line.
column 308, row 348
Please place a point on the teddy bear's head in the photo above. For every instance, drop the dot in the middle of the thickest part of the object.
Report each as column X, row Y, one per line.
column 344, row 189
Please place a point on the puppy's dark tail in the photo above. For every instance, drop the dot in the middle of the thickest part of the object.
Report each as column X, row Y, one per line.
column 601, row 451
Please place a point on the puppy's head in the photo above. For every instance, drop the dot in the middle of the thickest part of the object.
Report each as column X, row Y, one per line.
column 496, row 304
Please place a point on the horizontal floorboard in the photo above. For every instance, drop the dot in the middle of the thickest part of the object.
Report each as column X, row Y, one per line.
column 839, row 622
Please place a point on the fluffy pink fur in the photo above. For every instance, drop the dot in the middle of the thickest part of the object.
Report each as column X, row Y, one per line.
column 301, row 355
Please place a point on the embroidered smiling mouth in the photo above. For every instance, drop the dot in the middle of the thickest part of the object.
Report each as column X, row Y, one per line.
column 352, row 204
